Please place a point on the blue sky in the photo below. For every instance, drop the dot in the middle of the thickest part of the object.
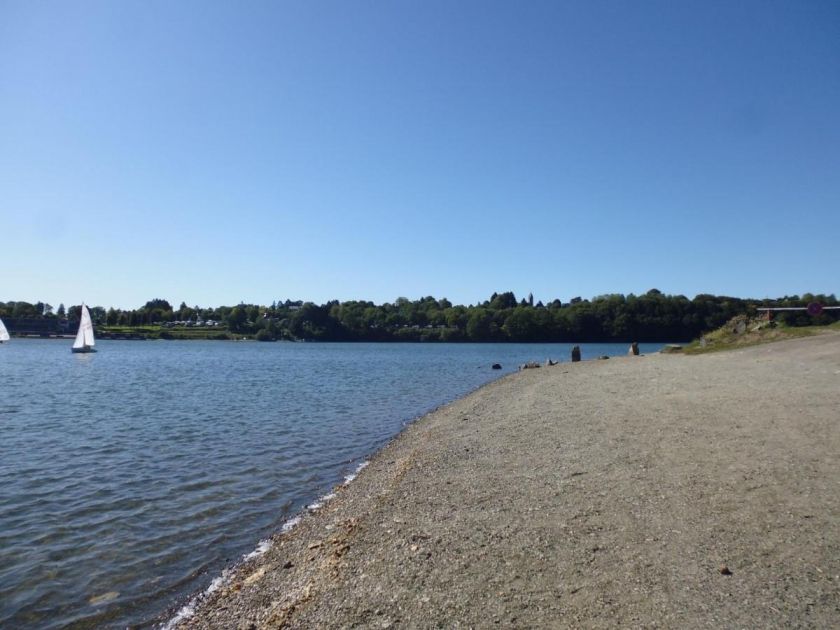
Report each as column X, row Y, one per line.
column 219, row 152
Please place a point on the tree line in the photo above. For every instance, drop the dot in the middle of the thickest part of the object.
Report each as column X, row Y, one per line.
column 652, row 316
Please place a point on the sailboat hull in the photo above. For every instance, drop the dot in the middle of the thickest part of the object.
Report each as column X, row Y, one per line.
column 84, row 349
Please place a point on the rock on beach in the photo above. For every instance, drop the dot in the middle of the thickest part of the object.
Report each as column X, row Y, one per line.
column 678, row 491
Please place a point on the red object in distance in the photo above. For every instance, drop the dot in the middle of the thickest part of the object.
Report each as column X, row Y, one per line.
column 815, row 308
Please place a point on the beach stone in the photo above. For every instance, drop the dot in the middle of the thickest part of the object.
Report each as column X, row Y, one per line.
column 634, row 349
column 575, row 354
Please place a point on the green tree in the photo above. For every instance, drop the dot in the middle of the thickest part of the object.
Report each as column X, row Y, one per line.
column 25, row 310
column 157, row 303
column 264, row 334
column 479, row 324
column 520, row 325
column 236, row 320
column 503, row 301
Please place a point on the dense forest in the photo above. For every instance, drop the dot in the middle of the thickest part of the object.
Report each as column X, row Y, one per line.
column 653, row 316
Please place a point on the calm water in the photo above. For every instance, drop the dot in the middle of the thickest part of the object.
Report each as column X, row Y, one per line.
column 131, row 477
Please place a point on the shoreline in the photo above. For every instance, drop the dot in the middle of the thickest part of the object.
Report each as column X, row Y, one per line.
column 599, row 493
column 139, row 337
column 174, row 616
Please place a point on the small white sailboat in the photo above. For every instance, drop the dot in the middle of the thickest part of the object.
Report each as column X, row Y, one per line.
column 84, row 338
column 4, row 334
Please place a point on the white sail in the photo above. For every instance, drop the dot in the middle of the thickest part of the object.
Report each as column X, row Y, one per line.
column 4, row 334
column 84, row 338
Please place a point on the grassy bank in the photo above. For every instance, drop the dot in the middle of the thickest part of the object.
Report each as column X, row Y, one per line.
column 742, row 332
column 160, row 332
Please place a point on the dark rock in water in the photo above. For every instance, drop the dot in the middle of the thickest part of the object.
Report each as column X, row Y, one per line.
column 575, row 354
column 634, row 349
column 497, row 366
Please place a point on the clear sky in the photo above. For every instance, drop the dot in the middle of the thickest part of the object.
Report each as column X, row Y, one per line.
column 220, row 152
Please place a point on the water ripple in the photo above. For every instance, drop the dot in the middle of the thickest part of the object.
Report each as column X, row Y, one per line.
column 129, row 479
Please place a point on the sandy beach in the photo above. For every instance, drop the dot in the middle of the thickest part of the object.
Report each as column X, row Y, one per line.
column 653, row 491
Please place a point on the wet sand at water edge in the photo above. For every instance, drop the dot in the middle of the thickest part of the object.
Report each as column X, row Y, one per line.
column 656, row 491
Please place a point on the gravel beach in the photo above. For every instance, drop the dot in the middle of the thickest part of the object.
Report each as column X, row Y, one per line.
column 652, row 491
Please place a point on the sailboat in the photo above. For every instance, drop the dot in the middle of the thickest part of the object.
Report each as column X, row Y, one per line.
column 4, row 334
column 84, row 338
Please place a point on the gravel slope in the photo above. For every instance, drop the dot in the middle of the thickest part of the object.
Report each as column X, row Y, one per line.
column 655, row 491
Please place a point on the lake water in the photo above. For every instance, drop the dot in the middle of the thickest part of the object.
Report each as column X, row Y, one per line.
column 131, row 477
